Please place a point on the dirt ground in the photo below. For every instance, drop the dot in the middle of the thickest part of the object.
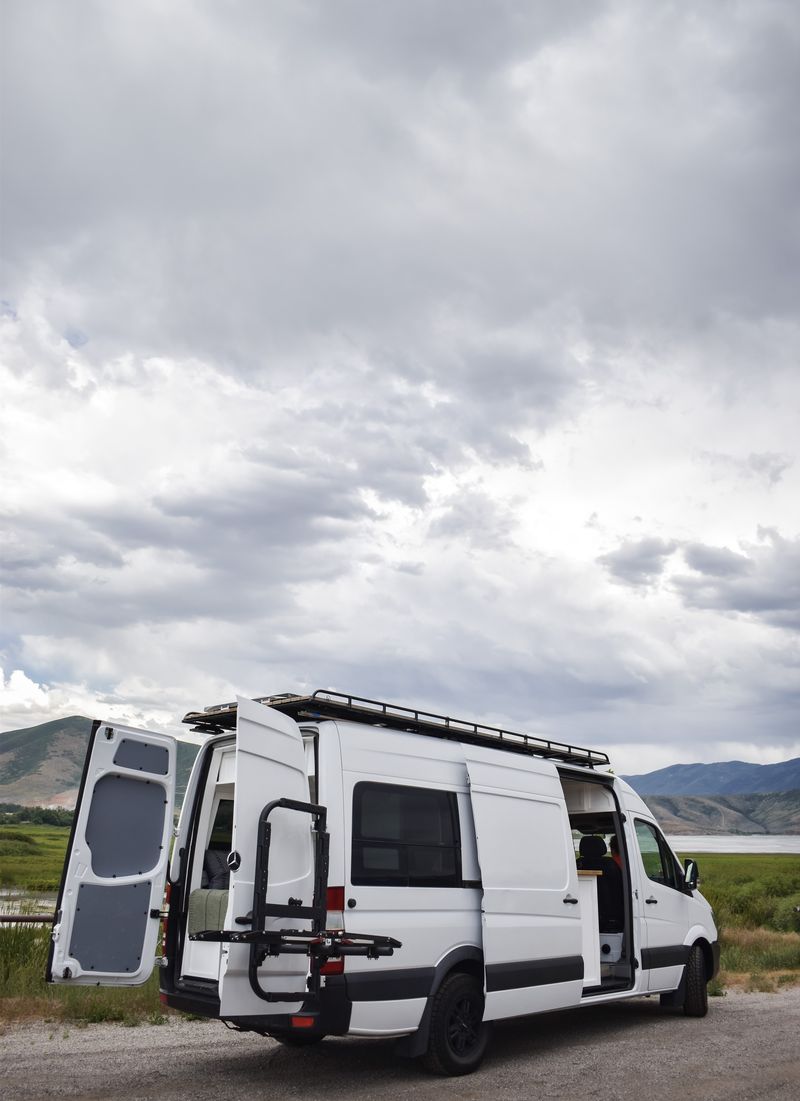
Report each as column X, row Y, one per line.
column 748, row 1047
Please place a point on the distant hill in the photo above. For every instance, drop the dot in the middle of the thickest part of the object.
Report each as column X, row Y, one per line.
column 42, row 765
column 772, row 812
column 723, row 778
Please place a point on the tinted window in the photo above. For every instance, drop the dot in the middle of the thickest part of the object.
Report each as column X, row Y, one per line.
column 405, row 837
column 659, row 863
column 222, row 829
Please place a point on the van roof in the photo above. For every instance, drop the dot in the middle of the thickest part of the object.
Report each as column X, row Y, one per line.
column 323, row 704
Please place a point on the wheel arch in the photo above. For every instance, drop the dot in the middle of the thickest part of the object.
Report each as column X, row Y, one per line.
column 708, row 957
column 466, row 959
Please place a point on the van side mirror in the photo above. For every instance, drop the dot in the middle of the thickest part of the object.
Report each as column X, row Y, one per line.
column 691, row 875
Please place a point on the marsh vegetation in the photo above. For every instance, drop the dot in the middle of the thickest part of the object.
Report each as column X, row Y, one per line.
column 755, row 899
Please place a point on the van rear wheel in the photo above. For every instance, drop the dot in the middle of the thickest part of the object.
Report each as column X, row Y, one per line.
column 458, row 1034
column 695, row 1002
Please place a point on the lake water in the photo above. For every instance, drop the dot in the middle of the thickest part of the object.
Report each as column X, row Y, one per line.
column 735, row 843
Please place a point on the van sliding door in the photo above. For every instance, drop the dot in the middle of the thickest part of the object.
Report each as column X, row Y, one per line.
column 531, row 912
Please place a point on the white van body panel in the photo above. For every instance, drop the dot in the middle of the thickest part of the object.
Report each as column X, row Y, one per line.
column 116, row 868
column 270, row 764
column 531, row 925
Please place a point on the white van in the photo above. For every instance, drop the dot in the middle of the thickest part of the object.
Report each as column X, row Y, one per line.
column 348, row 867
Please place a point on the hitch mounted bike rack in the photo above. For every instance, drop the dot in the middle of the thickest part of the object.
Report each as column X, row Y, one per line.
column 319, row 944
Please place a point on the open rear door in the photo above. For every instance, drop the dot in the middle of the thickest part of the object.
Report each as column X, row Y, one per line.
column 270, row 765
column 531, row 912
column 107, row 915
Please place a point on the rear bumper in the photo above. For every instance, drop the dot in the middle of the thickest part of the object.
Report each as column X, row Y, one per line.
column 331, row 1017
column 201, row 1005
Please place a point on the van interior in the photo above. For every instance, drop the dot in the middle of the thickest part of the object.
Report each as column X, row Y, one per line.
column 600, row 851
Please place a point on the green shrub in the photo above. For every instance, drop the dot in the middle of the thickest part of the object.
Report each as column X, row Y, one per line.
column 751, row 891
column 7, row 834
column 23, row 959
column 786, row 915
column 758, row 950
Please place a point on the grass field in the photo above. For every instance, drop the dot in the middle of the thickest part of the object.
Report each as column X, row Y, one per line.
column 24, row 993
column 754, row 899
column 751, row 891
column 31, row 857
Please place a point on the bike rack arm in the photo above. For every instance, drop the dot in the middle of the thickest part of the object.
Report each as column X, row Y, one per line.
column 319, row 944
column 317, row 912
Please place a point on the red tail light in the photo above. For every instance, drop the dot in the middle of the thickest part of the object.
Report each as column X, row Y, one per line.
column 165, row 918
column 335, row 899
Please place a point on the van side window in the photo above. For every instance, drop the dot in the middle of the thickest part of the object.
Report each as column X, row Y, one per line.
column 405, row 837
column 659, row 863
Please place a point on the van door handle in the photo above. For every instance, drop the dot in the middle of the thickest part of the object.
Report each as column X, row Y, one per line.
column 570, row 901
column 651, row 901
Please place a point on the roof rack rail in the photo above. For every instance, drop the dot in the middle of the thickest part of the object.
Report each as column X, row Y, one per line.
column 324, row 704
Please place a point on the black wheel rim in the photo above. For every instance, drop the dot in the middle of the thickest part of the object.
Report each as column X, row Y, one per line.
column 463, row 1024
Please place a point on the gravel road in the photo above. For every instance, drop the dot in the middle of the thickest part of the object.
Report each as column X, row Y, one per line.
column 748, row 1047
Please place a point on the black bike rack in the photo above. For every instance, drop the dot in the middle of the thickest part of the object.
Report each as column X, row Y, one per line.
column 319, row 944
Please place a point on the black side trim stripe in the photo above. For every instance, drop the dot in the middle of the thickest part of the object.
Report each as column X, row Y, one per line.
column 389, row 986
column 416, row 982
column 670, row 956
column 526, row 973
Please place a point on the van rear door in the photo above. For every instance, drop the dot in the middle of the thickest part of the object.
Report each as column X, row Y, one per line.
column 107, row 915
column 531, row 912
column 270, row 765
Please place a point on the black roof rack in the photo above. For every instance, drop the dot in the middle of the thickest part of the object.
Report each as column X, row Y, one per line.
column 323, row 704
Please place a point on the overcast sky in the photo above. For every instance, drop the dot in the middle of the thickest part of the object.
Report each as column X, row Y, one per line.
column 445, row 353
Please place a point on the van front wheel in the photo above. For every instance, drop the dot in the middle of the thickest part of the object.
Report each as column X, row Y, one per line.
column 458, row 1034
column 695, row 1003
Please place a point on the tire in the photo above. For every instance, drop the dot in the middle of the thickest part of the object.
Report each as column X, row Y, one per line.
column 695, row 1002
column 458, row 1034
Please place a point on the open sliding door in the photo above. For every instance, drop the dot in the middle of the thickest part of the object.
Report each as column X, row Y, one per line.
column 531, row 912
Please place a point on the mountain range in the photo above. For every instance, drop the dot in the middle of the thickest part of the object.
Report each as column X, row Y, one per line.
column 42, row 766
column 723, row 778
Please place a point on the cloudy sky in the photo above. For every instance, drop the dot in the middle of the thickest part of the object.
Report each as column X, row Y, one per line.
column 445, row 353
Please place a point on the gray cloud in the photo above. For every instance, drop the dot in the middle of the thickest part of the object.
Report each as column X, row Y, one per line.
column 765, row 466
column 765, row 584
column 299, row 299
column 638, row 561
column 716, row 561
column 472, row 518
column 769, row 465
column 327, row 179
